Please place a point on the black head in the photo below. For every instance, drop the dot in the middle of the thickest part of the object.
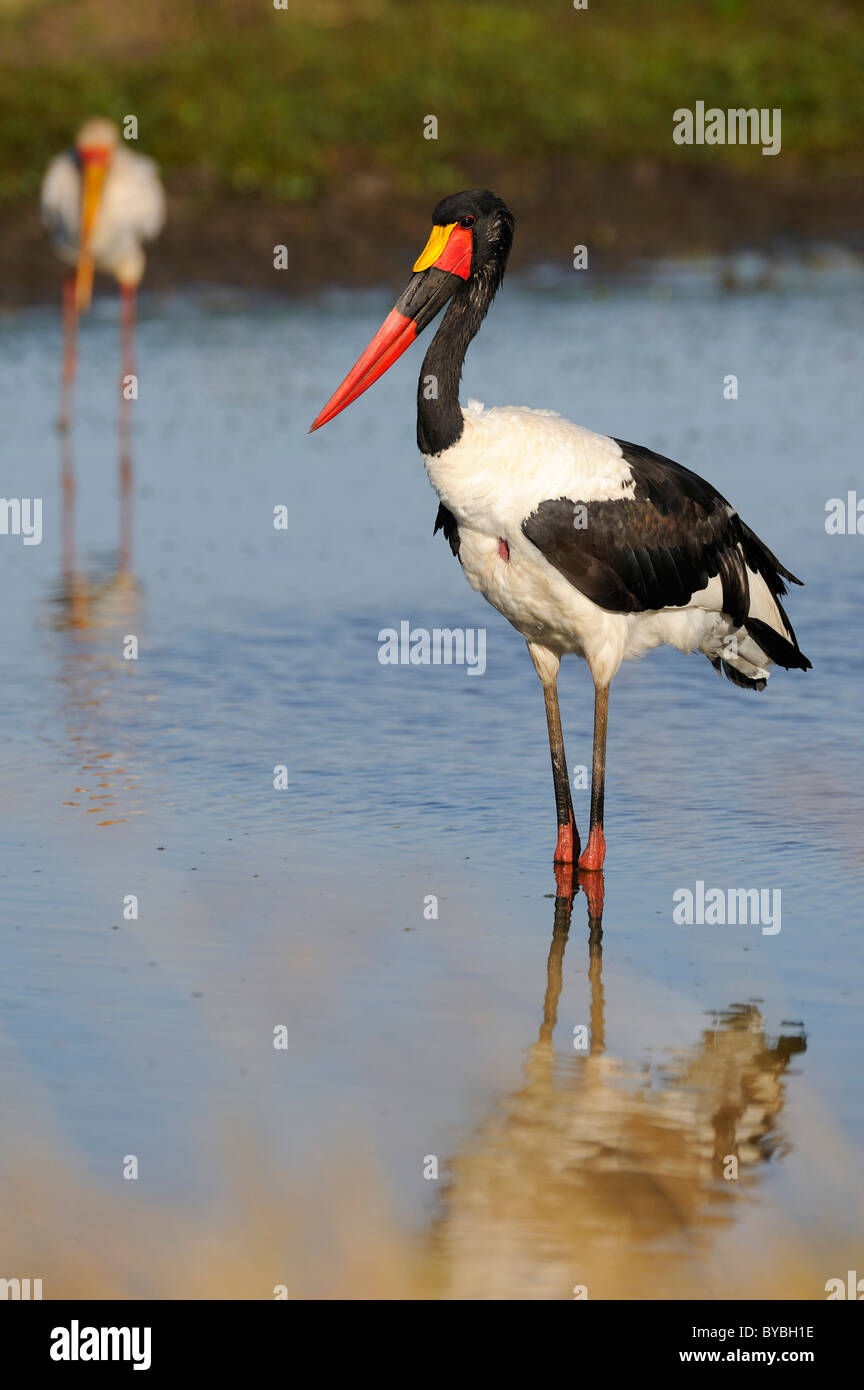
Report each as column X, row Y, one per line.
column 489, row 220
column 462, row 264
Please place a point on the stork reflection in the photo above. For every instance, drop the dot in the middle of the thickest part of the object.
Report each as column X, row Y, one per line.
column 95, row 598
column 96, row 611
column 605, row 1173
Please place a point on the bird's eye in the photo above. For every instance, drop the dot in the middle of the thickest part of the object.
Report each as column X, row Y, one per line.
column 467, row 221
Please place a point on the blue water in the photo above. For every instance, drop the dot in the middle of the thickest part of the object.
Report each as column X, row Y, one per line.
column 259, row 647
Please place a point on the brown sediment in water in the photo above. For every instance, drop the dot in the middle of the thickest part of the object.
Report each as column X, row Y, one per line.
column 268, row 1237
column 592, row 1177
column 366, row 232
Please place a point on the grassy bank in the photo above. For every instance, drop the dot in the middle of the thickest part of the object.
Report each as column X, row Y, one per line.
column 321, row 106
column 241, row 97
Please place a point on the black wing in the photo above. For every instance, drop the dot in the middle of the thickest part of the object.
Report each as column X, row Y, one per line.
column 445, row 521
column 658, row 548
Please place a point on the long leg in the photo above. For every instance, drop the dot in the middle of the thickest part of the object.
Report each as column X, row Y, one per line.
column 128, row 392
column 546, row 664
column 67, row 524
column 567, row 848
column 595, row 850
column 70, row 350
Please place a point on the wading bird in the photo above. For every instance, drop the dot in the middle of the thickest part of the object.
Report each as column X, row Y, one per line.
column 100, row 203
column 585, row 543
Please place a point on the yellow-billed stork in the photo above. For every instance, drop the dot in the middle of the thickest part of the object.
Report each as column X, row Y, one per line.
column 585, row 543
column 100, row 202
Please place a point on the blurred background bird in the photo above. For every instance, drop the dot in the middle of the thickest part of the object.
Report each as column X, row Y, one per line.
column 100, row 202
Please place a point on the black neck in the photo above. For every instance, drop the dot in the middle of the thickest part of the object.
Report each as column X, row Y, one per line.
column 439, row 415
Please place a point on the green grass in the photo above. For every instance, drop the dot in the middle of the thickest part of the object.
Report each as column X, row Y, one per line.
column 239, row 97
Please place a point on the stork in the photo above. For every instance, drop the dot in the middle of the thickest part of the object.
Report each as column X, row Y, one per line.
column 586, row 544
column 100, row 202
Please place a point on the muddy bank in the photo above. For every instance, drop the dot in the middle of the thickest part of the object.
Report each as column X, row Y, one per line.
column 365, row 233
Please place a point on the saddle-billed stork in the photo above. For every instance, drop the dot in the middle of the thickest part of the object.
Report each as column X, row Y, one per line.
column 586, row 544
column 100, row 202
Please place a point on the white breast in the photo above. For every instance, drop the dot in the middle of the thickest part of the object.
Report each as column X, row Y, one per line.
column 508, row 460
column 506, row 463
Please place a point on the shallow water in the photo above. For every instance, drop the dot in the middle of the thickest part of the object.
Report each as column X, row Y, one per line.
column 409, row 1036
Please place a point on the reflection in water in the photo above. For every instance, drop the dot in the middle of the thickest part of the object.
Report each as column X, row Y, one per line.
column 124, row 430
column 601, row 1173
column 94, row 610
column 196, row 728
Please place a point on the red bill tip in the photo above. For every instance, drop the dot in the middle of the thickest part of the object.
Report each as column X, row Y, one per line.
column 396, row 333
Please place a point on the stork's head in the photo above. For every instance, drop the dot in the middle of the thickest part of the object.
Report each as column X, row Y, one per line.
column 95, row 144
column 466, row 253
column 98, row 136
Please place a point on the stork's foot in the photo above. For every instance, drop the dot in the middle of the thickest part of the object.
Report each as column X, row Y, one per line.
column 565, row 880
column 568, row 846
column 594, row 853
column 592, row 885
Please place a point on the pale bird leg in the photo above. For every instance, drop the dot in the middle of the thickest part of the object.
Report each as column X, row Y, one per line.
column 70, row 353
column 595, row 850
column 127, row 369
column 567, row 848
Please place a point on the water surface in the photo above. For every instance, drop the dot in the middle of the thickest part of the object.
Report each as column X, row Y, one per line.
column 408, row 1035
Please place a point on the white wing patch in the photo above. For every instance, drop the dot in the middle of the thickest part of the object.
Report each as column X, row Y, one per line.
column 60, row 201
column 132, row 211
column 511, row 458
column 134, row 196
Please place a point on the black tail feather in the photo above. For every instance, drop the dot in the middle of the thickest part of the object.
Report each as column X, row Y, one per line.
column 763, row 560
column 735, row 676
column 777, row 648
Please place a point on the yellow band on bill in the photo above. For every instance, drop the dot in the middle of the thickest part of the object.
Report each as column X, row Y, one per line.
column 438, row 239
